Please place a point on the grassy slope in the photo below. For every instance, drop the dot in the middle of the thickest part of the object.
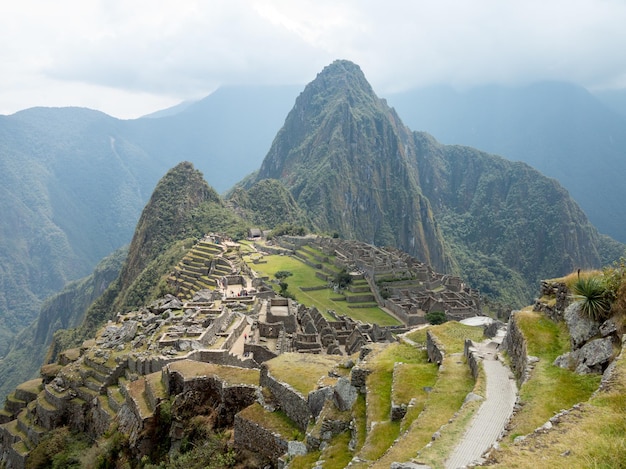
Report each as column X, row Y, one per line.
column 593, row 436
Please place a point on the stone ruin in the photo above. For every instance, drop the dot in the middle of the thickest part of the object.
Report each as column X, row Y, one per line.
column 285, row 326
column 411, row 288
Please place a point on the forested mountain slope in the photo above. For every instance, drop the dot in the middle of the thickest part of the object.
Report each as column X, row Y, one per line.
column 355, row 169
column 558, row 128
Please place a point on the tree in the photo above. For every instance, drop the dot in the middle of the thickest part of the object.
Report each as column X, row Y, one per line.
column 282, row 274
column 436, row 317
column 343, row 279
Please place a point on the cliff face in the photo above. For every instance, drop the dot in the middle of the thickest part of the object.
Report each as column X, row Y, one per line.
column 343, row 154
column 506, row 218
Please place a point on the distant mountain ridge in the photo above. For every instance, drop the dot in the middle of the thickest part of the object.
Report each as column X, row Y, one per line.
column 76, row 180
column 558, row 128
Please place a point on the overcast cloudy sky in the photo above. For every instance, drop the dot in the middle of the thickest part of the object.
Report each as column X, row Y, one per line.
column 131, row 57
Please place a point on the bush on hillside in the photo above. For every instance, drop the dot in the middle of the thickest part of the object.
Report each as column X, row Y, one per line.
column 594, row 297
column 436, row 317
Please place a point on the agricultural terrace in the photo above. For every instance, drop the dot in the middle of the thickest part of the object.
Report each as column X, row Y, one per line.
column 324, row 299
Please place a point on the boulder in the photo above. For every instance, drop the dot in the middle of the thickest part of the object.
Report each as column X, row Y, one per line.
column 594, row 356
column 344, row 395
column 581, row 327
column 608, row 327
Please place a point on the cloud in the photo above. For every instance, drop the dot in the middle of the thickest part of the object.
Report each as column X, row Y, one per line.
column 163, row 50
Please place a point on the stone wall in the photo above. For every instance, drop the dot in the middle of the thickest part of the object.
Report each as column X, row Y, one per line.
column 358, row 378
column 436, row 352
column 260, row 353
column 515, row 345
column 251, row 436
column 558, row 291
column 222, row 357
column 473, row 357
column 226, row 399
column 294, row 404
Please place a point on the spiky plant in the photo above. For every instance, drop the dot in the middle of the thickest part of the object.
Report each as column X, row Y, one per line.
column 592, row 294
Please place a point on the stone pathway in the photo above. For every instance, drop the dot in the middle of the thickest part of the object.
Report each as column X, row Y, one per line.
column 494, row 413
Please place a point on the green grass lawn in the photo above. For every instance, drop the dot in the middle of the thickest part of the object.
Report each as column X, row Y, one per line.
column 303, row 275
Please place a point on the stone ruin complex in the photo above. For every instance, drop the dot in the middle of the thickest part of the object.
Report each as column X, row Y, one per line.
column 223, row 318
column 406, row 287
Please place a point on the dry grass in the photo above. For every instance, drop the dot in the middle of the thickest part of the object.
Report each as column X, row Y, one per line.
column 549, row 388
column 452, row 335
column 571, row 278
column 302, row 371
column 229, row 374
column 34, row 386
column 594, row 436
column 274, row 421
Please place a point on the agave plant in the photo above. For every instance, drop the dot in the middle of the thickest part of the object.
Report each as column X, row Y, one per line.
column 594, row 298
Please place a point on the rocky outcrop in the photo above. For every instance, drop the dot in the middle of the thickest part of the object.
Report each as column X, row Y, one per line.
column 581, row 327
column 592, row 342
column 556, row 291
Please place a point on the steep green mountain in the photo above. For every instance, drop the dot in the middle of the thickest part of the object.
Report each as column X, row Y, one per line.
column 342, row 153
column 63, row 310
column 509, row 226
column 182, row 208
column 268, row 204
column 354, row 168
column 558, row 128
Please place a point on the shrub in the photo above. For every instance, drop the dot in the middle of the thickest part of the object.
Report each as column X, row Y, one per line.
column 436, row 317
column 343, row 279
column 595, row 299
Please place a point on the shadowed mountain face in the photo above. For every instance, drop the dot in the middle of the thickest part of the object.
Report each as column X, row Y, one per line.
column 354, row 168
column 558, row 128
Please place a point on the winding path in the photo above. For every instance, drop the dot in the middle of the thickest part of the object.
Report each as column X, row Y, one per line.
column 494, row 413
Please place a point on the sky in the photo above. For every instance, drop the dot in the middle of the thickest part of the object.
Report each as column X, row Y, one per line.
column 132, row 57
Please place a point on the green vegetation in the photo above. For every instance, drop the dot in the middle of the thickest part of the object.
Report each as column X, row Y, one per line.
column 343, row 279
column 323, row 300
column 592, row 436
column 59, row 449
column 593, row 296
column 436, row 317
column 549, row 388
column 269, row 204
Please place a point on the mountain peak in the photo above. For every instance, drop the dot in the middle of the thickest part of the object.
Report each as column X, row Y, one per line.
column 341, row 77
